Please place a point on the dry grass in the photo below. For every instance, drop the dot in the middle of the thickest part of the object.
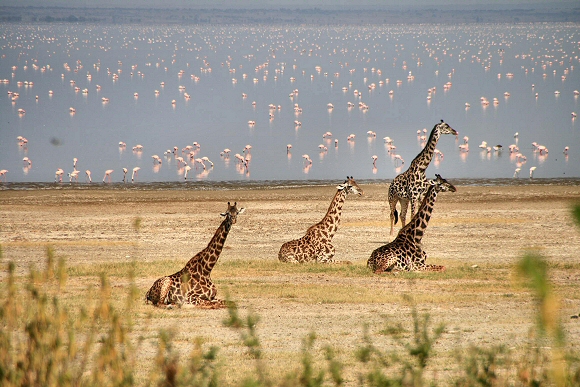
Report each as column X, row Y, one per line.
column 479, row 298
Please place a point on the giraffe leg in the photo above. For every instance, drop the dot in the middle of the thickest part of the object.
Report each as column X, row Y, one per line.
column 394, row 216
column 404, row 208
column 438, row 268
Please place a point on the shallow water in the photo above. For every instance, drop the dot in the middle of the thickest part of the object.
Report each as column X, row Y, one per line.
column 209, row 64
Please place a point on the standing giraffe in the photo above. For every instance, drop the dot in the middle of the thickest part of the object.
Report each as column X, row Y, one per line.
column 316, row 245
column 405, row 252
column 412, row 184
column 192, row 285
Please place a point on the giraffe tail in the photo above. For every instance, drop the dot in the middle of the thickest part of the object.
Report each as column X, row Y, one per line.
column 396, row 216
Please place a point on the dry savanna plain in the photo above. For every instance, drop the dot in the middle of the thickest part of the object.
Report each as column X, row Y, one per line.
column 479, row 233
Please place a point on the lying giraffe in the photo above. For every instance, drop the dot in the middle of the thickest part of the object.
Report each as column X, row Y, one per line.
column 316, row 245
column 412, row 184
column 405, row 252
column 192, row 285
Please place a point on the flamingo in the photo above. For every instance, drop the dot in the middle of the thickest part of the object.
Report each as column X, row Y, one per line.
column 307, row 159
column 288, row 147
column 108, row 173
column 517, row 172
column 88, row 173
column 532, row 169
column 206, row 159
column 566, row 149
column 75, row 163
column 374, row 158
column 187, row 169
column 3, row 173
column 398, row 158
column 483, row 145
column 26, row 160
column 125, row 170
column 58, row 175
column 73, row 175
column 135, row 170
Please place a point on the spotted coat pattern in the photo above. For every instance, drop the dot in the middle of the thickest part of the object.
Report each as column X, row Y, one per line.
column 193, row 285
column 405, row 253
column 316, row 244
column 411, row 185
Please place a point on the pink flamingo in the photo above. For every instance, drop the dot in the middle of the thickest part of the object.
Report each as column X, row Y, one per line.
column 108, row 173
column 73, row 175
column 58, row 175
column 374, row 158
column 88, row 173
column 135, row 171
column 125, row 170
column 187, row 169
column 75, row 163
column 398, row 158
column 307, row 159
column 566, row 149
column 27, row 161
column 3, row 173
column 207, row 160
column 288, row 147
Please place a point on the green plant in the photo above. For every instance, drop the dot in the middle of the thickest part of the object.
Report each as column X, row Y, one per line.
column 400, row 368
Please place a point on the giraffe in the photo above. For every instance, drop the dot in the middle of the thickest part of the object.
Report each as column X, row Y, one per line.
column 410, row 185
column 316, row 245
column 405, row 252
column 192, row 285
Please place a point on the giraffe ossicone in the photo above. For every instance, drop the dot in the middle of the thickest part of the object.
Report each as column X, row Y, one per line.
column 405, row 252
column 411, row 185
column 192, row 285
column 316, row 244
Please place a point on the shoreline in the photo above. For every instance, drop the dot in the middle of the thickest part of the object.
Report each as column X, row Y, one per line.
column 268, row 184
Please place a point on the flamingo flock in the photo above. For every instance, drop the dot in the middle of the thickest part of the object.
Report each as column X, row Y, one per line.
column 338, row 74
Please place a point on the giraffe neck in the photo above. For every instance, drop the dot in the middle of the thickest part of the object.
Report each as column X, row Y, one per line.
column 423, row 159
column 206, row 259
column 421, row 219
column 332, row 218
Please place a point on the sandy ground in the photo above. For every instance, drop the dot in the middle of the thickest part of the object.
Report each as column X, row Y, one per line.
column 490, row 227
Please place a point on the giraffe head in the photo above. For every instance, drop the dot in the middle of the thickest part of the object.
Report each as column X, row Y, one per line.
column 350, row 186
column 232, row 213
column 444, row 128
column 442, row 185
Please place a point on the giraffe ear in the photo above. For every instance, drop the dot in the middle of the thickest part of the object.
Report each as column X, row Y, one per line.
column 242, row 210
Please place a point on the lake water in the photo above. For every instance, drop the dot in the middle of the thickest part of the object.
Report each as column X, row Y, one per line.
column 409, row 77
